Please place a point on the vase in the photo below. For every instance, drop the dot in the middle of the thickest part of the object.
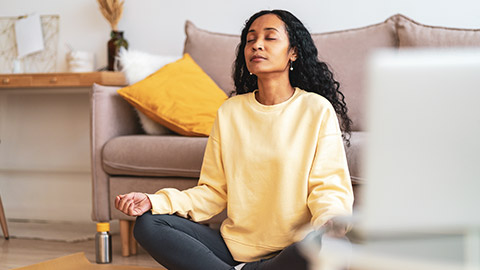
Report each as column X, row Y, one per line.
column 114, row 44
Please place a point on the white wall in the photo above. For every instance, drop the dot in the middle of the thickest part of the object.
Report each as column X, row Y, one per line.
column 53, row 181
column 156, row 26
column 45, row 154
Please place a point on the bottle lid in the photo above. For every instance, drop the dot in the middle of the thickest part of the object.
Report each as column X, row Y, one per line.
column 103, row 227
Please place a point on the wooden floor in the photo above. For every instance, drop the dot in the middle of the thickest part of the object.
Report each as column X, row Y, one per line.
column 22, row 252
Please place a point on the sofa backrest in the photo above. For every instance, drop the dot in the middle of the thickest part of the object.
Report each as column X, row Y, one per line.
column 214, row 53
column 414, row 34
column 345, row 52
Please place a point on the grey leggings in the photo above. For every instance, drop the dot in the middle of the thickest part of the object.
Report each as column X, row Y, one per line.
column 181, row 244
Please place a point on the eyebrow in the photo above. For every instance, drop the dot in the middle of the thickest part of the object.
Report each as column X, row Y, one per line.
column 266, row 29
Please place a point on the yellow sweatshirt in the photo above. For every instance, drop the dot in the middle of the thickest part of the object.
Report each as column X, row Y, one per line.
column 276, row 169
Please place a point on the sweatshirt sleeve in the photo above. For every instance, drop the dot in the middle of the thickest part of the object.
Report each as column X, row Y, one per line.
column 330, row 187
column 206, row 199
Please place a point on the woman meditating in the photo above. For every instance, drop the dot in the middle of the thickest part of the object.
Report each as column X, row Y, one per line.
column 275, row 159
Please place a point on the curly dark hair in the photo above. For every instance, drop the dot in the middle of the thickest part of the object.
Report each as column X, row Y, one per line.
column 309, row 74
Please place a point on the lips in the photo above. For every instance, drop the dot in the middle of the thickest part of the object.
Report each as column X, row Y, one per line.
column 257, row 58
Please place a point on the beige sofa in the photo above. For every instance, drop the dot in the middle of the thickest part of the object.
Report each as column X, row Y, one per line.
column 125, row 159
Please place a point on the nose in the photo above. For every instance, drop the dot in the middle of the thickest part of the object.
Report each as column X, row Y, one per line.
column 258, row 45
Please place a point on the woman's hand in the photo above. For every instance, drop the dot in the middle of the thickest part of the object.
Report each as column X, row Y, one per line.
column 133, row 204
column 336, row 227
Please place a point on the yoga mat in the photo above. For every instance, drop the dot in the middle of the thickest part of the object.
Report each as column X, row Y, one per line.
column 78, row 261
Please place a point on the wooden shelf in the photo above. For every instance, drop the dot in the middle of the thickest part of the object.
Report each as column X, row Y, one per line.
column 39, row 80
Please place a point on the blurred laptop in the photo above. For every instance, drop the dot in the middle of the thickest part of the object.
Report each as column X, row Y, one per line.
column 423, row 153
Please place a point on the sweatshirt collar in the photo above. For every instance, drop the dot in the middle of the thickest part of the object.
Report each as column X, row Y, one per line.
column 268, row 108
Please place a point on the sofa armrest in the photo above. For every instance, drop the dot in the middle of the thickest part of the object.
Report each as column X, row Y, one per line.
column 110, row 116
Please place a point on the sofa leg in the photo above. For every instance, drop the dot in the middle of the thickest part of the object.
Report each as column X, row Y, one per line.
column 129, row 244
column 124, row 236
column 133, row 242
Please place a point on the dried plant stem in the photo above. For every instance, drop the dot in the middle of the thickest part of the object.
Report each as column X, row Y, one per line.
column 112, row 11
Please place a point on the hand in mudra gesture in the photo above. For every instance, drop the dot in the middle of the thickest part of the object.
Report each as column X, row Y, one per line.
column 133, row 203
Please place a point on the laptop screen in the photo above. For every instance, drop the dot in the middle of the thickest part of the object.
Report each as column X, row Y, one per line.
column 423, row 154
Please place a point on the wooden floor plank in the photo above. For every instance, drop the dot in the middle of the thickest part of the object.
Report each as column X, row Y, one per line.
column 22, row 252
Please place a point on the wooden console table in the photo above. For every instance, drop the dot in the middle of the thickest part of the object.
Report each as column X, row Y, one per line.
column 55, row 80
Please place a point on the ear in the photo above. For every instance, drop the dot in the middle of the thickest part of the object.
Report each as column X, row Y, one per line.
column 293, row 54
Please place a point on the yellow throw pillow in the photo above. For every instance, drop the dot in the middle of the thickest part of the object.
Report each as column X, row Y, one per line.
column 179, row 96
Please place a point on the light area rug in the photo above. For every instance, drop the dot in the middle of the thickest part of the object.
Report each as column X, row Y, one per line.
column 78, row 261
column 69, row 232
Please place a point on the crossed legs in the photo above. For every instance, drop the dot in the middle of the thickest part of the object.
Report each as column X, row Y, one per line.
column 181, row 244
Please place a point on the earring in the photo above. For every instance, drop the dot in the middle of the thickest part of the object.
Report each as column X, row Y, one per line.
column 291, row 65
column 251, row 74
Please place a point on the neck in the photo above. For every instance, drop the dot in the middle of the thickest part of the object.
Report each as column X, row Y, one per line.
column 272, row 91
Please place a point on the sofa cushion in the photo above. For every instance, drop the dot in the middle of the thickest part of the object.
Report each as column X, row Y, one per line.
column 414, row 34
column 179, row 96
column 164, row 156
column 346, row 53
column 214, row 52
column 143, row 155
